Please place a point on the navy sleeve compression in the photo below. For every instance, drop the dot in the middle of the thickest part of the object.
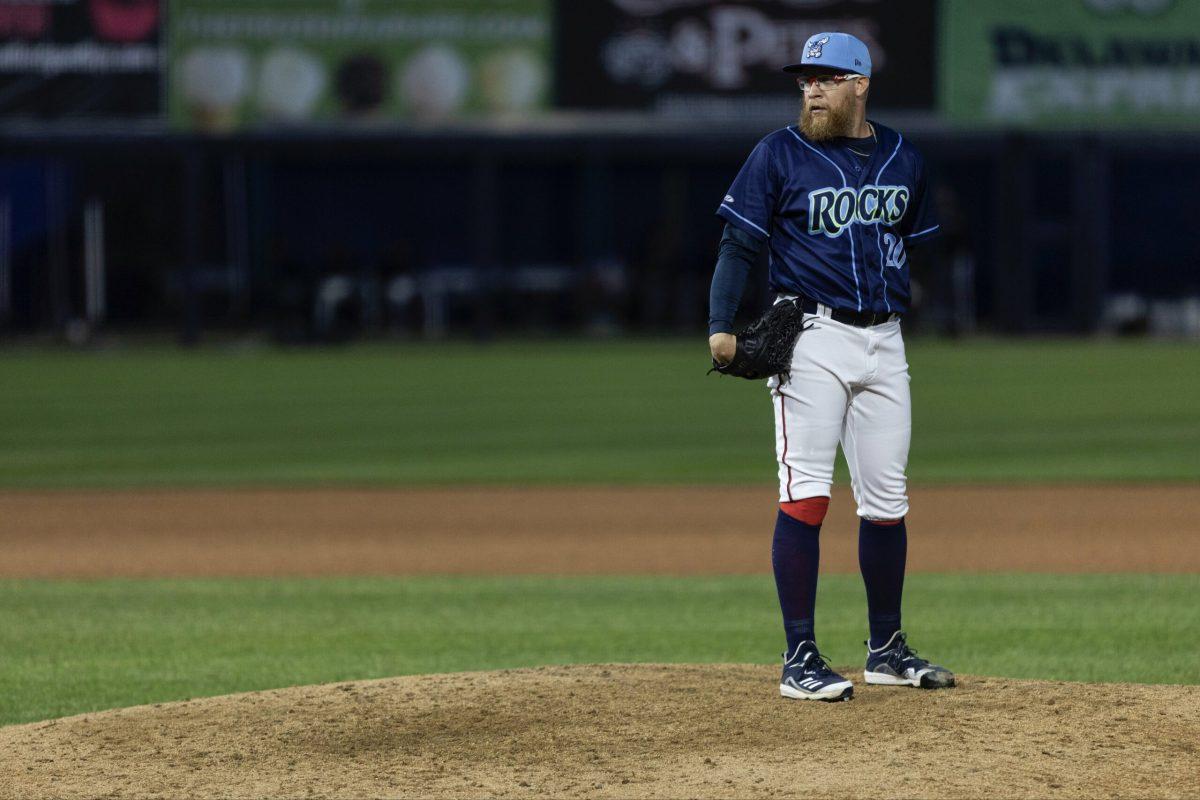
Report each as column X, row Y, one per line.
column 735, row 258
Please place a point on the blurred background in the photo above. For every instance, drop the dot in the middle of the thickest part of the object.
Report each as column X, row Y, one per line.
column 315, row 171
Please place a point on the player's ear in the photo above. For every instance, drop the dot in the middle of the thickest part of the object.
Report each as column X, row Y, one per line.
column 861, row 87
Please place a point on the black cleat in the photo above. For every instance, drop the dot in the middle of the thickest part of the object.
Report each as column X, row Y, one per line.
column 806, row 676
column 896, row 664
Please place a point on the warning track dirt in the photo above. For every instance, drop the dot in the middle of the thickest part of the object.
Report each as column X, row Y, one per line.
column 679, row 530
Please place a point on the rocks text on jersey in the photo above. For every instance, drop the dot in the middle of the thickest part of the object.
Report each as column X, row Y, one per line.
column 831, row 211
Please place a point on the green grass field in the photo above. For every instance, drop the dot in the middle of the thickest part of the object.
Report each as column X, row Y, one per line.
column 573, row 412
column 70, row 647
column 570, row 412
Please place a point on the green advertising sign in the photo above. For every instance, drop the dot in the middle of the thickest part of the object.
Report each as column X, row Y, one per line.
column 1071, row 63
column 237, row 63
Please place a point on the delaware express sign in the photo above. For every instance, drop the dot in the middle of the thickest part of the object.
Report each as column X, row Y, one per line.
column 1071, row 63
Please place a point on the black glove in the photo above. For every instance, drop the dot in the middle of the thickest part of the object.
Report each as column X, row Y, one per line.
column 764, row 347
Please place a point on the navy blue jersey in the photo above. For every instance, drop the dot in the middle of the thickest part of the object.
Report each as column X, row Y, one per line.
column 836, row 224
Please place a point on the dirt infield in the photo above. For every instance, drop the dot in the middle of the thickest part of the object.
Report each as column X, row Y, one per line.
column 675, row 531
column 616, row 730
column 624, row 731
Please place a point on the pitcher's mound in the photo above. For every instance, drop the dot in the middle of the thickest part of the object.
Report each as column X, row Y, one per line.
column 624, row 731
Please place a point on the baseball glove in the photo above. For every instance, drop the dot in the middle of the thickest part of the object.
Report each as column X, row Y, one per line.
column 764, row 347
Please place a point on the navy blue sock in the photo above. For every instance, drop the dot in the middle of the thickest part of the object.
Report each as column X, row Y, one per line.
column 882, row 552
column 795, row 556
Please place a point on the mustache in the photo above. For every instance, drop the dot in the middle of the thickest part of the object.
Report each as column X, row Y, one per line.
column 834, row 122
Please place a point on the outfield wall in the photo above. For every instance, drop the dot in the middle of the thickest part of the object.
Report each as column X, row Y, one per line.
column 549, row 229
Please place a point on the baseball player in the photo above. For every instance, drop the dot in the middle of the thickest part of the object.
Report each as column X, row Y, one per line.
column 837, row 200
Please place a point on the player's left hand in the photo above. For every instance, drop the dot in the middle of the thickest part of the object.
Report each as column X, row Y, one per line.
column 723, row 347
column 763, row 348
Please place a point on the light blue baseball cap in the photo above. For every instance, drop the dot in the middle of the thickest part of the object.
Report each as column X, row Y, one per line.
column 833, row 51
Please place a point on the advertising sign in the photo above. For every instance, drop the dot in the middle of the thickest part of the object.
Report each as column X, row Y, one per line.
column 237, row 63
column 704, row 58
column 80, row 58
column 1071, row 63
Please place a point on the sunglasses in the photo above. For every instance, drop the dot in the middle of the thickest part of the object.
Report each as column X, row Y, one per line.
column 826, row 83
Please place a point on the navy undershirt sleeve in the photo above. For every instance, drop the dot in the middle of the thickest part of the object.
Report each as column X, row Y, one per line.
column 735, row 259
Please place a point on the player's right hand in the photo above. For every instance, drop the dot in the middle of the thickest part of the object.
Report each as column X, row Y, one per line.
column 723, row 347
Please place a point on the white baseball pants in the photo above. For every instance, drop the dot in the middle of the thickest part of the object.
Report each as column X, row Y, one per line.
column 847, row 385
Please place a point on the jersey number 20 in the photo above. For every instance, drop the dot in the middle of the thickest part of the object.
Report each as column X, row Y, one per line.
column 895, row 251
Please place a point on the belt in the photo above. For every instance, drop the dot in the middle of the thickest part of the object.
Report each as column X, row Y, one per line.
column 859, row 319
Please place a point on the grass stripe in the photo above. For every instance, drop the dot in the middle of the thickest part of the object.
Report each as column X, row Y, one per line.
column 70, row 647
column 569, row 412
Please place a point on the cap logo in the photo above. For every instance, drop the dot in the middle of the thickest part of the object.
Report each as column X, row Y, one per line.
column 815, row 49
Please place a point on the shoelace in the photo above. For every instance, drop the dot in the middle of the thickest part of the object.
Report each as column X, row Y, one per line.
column 814, row 663
column 902, row 652
column 817, row 666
